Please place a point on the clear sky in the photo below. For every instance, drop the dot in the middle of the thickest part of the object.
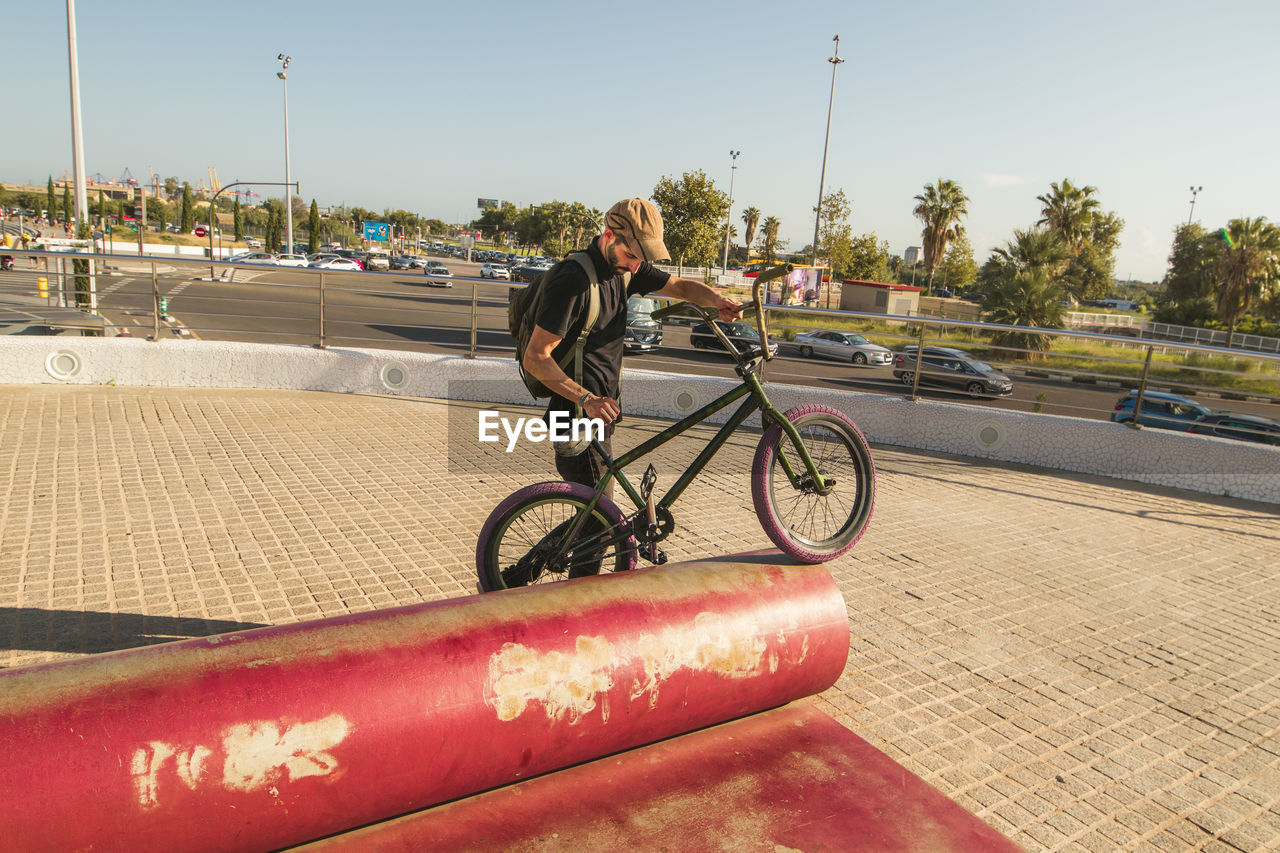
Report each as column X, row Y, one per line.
column 427, row 106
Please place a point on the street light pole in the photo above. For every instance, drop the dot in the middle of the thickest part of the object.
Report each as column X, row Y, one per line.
column 288, row 199
column 77, row 142
column 1195, row 191
column 728, row 217
column 822, row 181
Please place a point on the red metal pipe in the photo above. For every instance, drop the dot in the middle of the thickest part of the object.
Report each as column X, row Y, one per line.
column 266, row 738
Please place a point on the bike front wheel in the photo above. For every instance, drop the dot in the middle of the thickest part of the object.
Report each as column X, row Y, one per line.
column 813, row 523
column 523, row 540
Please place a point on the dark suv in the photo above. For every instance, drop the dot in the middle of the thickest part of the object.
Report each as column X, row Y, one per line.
column 952, row 368
column 743, row 337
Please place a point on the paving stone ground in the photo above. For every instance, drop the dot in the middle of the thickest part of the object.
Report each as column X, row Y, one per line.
column 1086, row 664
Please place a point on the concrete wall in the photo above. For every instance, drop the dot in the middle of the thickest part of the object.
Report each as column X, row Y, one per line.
column 1211, row 465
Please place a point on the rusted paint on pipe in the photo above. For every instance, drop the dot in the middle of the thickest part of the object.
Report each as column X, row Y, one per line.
column 266, row 738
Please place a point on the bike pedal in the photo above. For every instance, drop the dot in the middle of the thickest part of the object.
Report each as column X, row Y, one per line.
column 655, row 555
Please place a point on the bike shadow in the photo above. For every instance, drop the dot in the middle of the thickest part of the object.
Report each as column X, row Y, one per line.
column 90, row 632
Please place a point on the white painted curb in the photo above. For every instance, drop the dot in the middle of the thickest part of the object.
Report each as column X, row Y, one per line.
column 1214, row 466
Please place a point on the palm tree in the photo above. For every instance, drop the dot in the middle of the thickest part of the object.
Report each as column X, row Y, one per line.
column 769, row 229
column 750, row 218
column 1032, row 249
column 1027, row 298
column 1247, row 265
column 941, row 207
column 1069, row 210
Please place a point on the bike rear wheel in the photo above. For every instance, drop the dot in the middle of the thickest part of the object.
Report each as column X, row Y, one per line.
column 521, row 541
column 803, row 523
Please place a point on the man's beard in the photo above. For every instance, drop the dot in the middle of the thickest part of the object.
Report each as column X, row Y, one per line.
column 611, row 255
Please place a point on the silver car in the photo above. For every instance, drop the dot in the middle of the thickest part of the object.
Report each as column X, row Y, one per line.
column 842, row 346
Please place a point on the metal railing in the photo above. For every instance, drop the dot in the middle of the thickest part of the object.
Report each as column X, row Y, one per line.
column 170, row 297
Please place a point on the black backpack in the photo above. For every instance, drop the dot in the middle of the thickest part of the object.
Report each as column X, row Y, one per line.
column 522, row 315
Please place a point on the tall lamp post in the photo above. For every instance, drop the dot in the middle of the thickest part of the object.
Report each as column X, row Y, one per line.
column 1195, row 191
column 728, row 216
column 288, row 199
column 822, row 181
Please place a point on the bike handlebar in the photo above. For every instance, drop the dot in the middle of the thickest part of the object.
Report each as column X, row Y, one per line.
column 765, row 276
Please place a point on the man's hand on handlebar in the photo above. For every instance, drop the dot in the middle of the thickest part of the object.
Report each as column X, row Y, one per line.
column 728, row 309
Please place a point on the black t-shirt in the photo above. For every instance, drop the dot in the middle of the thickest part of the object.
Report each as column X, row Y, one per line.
column 564, row 311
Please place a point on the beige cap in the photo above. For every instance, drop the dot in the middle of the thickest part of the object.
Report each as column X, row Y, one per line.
column 638, row 224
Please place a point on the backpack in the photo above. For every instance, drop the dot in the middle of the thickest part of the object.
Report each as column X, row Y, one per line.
column 522, row 315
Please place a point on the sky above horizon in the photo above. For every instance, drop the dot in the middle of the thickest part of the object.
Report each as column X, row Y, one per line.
column 428, row 107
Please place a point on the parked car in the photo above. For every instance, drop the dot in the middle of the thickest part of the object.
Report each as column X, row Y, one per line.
column 529, row 272
column 351, row 254
column 336, row 263
column 438, row 276
column 644, row 334
column 291, row 260
column 495, row 271
column 1161, row 410
column 264, row 258
column 743, row 337
column 842, row 346
column 377, row 261
column 400, row 262
column 253, row 242
column 1239, row 427
column 945, row 367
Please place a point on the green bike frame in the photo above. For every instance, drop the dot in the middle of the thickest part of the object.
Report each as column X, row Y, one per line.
column 756, row 400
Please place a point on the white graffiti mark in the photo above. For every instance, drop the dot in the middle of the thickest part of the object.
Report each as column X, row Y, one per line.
column 711, row 644
column 254, row 755
column 567, row 685
column 257, row 753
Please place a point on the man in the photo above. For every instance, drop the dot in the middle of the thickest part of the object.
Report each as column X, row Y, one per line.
column 623, row 255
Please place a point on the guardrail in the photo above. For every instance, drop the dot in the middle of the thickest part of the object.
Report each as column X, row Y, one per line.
column 395, row 310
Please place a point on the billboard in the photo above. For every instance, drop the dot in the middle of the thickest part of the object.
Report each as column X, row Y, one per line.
column 377, row 231
column 487, row 203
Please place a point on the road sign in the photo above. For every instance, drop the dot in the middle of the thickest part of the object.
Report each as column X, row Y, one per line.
column 200, row 232
column 164, row 305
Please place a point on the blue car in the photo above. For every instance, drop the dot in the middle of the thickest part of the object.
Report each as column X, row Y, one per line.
column 1161, row 410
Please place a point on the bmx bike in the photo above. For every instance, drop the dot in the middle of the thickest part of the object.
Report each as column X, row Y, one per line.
column 812, row 486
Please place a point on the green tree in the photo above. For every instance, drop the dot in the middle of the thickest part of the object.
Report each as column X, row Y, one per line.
column 1090, row 234
column 959, row 269
column 171, row 187
column 835, row 235
column 67, row 210
column 313, row 228
column 692, row 212
column 435, row 226
column 1190, row 275
column 940, row 207
column 868, row 258
column 1035, row 249
column 1247, row 264
column 750, row 219
column 275, row 225
column 237, row 219
column 1027, row 298
column 1069, row 210
column 51, row 204
column 188, row 220
column 768, row 244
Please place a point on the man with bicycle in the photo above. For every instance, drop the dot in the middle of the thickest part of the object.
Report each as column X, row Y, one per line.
column 624, row 255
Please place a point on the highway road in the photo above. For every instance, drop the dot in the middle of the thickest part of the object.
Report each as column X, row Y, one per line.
column 398, row 310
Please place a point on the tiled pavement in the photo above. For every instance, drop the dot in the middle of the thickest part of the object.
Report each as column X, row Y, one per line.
column 1086, row 664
